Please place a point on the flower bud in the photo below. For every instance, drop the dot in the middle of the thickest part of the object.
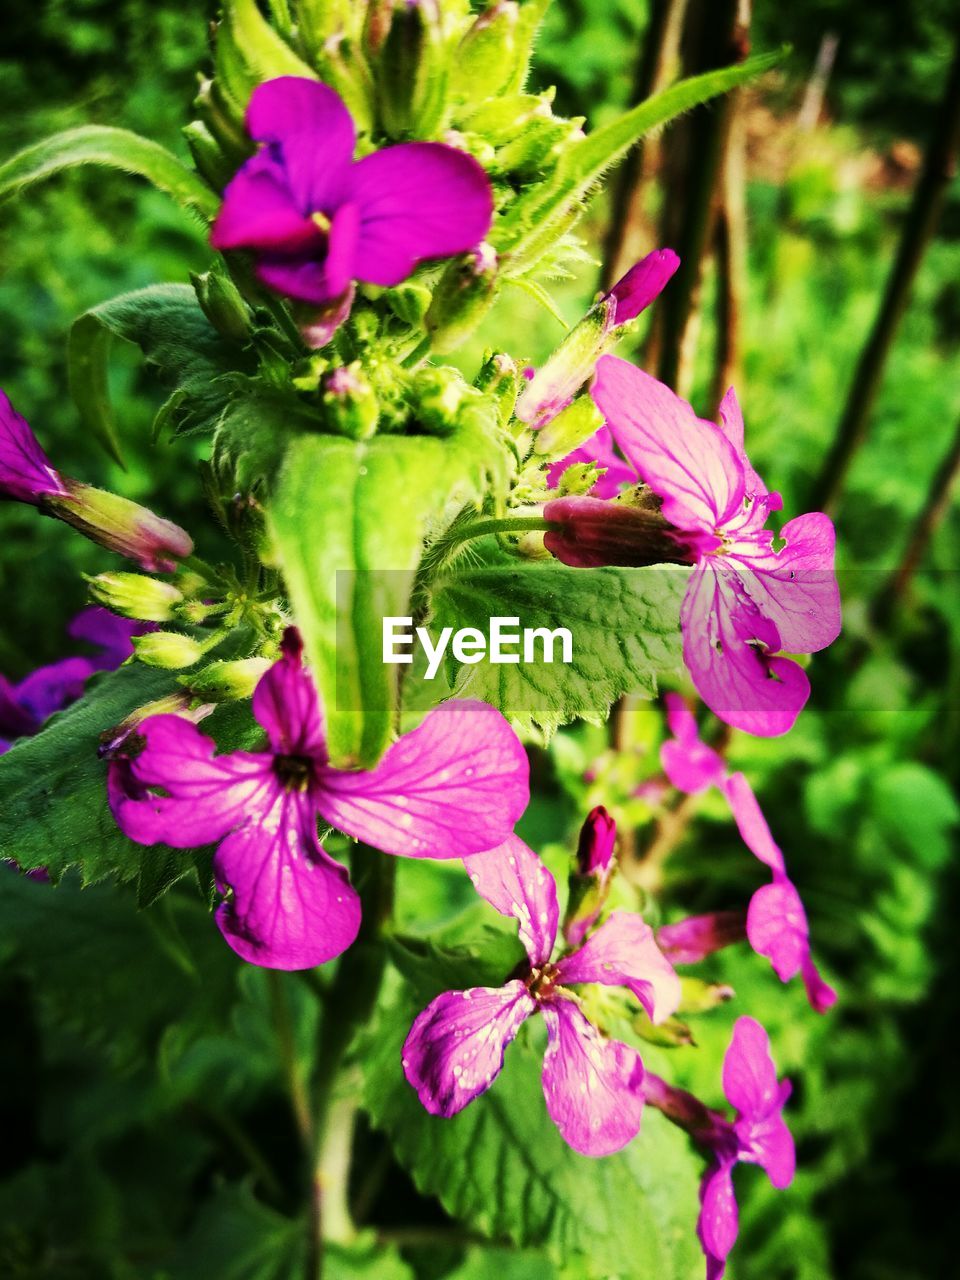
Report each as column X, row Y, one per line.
column 409, row 302
column 226, row 681
column 589, row 882
column 499, row 379
column 692, row 940
column 569, row 429
column 122, row 526
column 591, row 532
column 135, row 596
column 410, row 73
column 538, row 145
column 485, row 60
column 222, row 304
column 700, row 997
column 439, row 397
column 169, row 650
column 341, row 67
column 462, row 298
column 643, row 283
column 350, row 402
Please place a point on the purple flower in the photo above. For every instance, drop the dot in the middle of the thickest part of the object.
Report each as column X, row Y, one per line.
column 592, row 1085
column 745, row 601
column 776, row 921
column 757, row 1135
column 317, row 220
column 114, row 522
column 554, row 386
column 590, row 881
column 691, row 940
column 451, row 787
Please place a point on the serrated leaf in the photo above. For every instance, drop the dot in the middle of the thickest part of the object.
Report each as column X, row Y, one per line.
column 360, row 510
column 176, row 338
column 502, row 1168
column 531, row 226
column 111, row 149
column 624, row 624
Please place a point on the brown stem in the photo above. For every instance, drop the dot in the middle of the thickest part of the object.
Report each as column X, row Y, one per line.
column 939, row 166
column 717, row 35
column 934, row 509
column 658, row 53
column 730, row 249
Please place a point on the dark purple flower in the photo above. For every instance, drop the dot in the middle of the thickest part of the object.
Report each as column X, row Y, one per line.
column 317, row 220
column 589, row 883
column 592, row 1085
column 691, row 940
column 449, row 788
column 776, row 921
column 26, row 474
column 757, row 1135
column 745, row 602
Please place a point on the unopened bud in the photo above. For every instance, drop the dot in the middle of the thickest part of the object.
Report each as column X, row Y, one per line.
column 700, row 997
column 170, row 650
column 225, row 681
column 222, row 304
column 462, row 298
column 589, row 882
column 409, row 302
column 692, row 940
column 135, row 596
column 592, row 532
column 122, row 526
column 343, row 68
column 350, row 403
column 577, row 479
column 207, row 155
column 410, row 73
column 499, row 379
column 485, row 60
column 538, row 145
column 569, row 429
column 439, row 396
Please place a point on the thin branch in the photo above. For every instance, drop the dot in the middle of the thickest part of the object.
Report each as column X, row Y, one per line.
column 939, row 166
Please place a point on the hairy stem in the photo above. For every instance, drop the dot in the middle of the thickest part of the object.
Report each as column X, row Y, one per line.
column 939, row 166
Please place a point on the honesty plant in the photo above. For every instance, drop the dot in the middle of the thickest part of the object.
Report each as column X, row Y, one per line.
column 378, row 181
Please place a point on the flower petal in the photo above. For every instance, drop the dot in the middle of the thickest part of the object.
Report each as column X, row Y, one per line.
column 751, row 823
column 286, row 705
column 454, row 786
column 749, row 1075
column 599, row 449
column 323, row 276
column 50, row 688
column 593, row 1086
column 687, row 761
column 455, row 1048
column 719, row 1222
column 769, row 1143
column 623, row 953
column 796, row 587
column 689, row 462
column 730, row 418
column 259, row 212
column 643, row 283
column 206, row 795
column 310, row 133
column 514, row 880
column 25, row 471
column 417, row 200
column 777, row 928
column 290, row 905
column 727, row 646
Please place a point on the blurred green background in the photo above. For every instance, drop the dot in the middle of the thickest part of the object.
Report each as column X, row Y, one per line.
column 861, row 794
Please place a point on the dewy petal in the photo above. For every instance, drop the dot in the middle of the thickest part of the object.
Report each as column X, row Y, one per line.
column 719, row 1223
column 796, row 587
column 417, row 200
column 454, row 786
column 687, row 761
column 455, row 1047
column 689, row 462
column 290, row 905
column 751, row 823
column 725, row 643
column 599, row 449
column 25, row 471
column 623, row 953
column 644, row 282
column 514, row 881
column 259, row 212
column 593, row 1086
column 310, row 132
column 206, row 795
column 286, row 706
column 749, row 1076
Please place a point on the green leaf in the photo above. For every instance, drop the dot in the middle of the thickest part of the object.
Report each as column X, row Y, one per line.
column 348, row 521
column 502, row 1168
column 624, row 623
column 176, row 338
column 531, row 227
column 111, row 149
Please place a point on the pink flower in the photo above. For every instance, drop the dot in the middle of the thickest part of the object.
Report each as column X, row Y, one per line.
column 317, row 220
column 757, row 1135
column 592, row 1086
column 776, row 921
column 449, row 788
column 745, row 602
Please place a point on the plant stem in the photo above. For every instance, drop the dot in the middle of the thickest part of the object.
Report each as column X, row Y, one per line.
column 507, row 524
column 293, row 1074
column 730, row 250
column 939, row 165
